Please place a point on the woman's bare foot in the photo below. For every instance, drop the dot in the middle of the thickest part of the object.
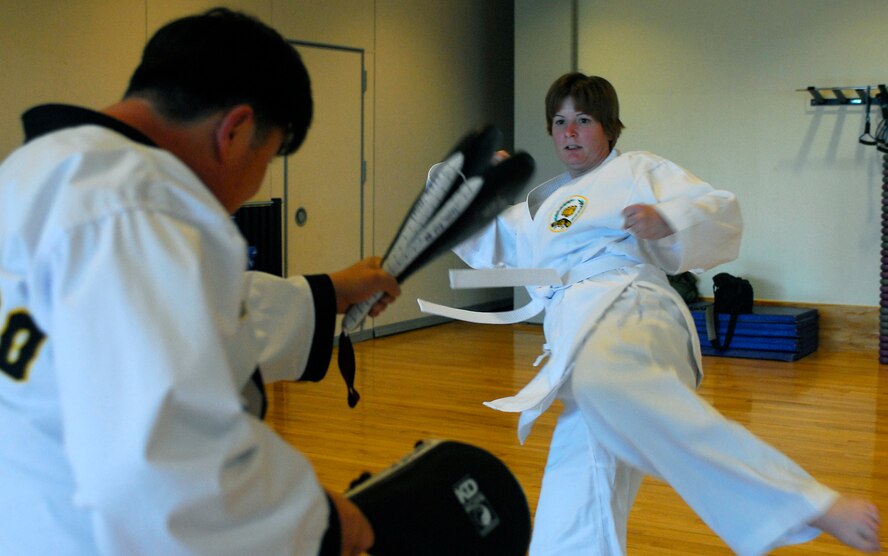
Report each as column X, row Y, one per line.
column 854, row 522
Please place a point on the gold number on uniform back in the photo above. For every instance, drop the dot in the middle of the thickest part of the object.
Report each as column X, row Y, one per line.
column 19, row 342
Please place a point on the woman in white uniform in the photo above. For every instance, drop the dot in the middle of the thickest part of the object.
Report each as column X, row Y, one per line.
column 623, row 354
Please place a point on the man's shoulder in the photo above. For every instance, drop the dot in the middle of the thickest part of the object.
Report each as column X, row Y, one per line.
column 87, row 173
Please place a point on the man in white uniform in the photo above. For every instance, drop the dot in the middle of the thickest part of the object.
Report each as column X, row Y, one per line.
column 130, row 334
column 623, row 354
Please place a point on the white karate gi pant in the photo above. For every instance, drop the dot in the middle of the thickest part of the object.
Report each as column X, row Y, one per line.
column 631, row 410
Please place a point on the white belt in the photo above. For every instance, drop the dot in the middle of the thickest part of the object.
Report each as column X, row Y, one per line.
column 510, row 277
column 530, row 310
column 594, row 267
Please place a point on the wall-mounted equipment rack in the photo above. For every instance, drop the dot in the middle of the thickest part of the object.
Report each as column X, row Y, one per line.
column 852, row 95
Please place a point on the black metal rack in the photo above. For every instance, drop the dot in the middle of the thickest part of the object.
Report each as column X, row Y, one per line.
column 883, row 284
column 850, row 95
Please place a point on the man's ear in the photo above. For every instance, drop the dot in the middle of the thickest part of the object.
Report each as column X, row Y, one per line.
column 234, row 130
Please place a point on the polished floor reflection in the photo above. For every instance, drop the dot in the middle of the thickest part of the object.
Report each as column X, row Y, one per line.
column 828, row 411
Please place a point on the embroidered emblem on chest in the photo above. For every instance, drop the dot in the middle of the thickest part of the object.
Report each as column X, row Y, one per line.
column 568, row 213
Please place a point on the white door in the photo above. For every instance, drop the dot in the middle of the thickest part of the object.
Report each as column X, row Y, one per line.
column 323, row 179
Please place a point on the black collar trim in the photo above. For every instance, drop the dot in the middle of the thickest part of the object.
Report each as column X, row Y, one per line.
column 47, row 118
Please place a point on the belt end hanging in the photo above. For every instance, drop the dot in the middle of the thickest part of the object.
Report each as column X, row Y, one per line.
column 346, row 360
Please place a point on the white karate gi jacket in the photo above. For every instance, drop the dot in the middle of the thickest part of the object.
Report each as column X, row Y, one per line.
column 575, row 227
column 129, row 331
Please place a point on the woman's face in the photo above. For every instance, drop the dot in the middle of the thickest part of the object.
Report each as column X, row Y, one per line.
column 580, row 141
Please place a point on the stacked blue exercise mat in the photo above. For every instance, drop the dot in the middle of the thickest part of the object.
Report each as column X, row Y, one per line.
column 769, row 332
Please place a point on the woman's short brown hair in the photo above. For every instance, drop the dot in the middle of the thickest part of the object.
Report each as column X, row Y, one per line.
column 591, row 94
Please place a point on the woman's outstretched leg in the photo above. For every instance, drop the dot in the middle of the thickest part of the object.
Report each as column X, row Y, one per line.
column 633, row 383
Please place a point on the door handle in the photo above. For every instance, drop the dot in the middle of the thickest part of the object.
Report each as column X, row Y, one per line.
column 301, row 216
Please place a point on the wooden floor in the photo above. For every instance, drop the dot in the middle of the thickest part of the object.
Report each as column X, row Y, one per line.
column 828, row 411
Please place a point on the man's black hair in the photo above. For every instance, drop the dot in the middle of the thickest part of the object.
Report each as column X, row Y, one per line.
column 201, row 64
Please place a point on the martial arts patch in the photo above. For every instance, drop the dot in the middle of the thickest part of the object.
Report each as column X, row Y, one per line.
column 567, row 213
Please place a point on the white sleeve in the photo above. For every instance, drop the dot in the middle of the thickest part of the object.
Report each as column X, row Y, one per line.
column 294, row 320
column 146, row 334
column 494, row 246
column 707, row 222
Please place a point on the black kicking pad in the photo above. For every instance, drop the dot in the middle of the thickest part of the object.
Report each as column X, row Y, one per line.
column 445, row 498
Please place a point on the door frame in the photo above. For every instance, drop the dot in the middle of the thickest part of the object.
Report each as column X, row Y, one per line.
column 363, row 183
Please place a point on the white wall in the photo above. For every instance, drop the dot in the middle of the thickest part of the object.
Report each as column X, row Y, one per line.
column 711, row 85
